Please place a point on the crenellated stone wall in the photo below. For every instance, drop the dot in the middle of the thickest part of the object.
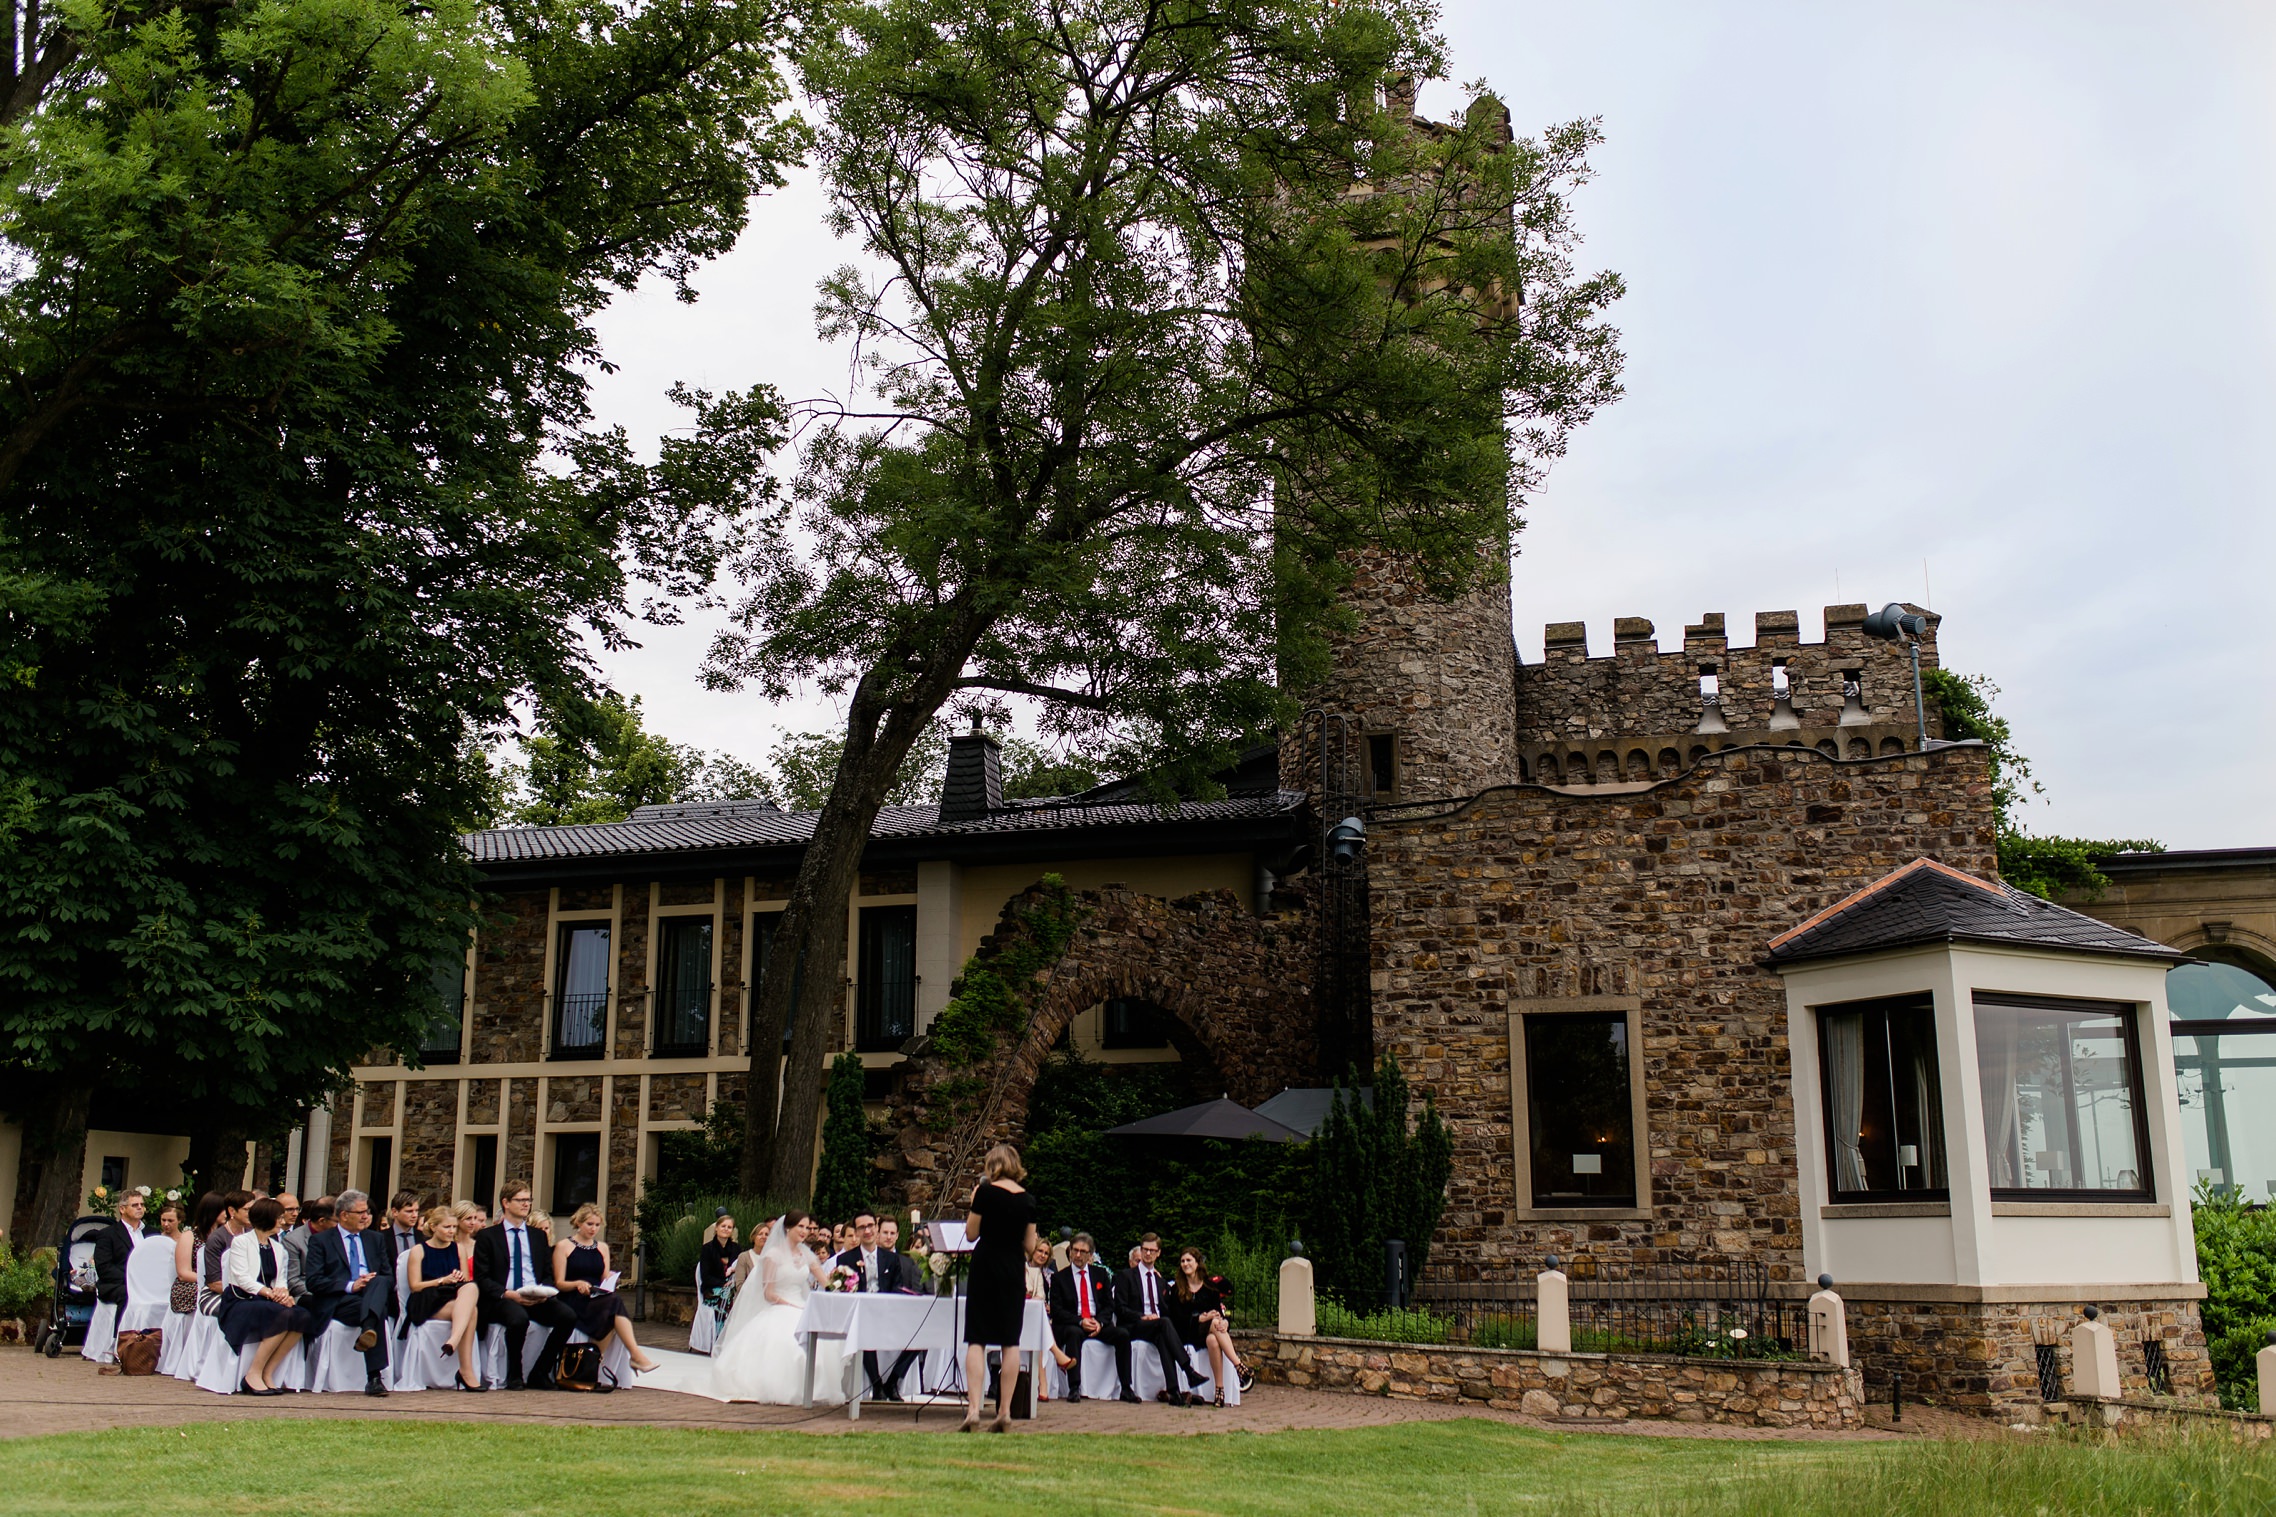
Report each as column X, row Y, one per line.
column 1639, row 691
column 1666, row 894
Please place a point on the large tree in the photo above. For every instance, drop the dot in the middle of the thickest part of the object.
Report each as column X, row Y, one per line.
column 1162, row 309
column 298, row 496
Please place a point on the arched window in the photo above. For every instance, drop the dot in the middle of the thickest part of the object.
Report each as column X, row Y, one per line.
column 2224, row 1056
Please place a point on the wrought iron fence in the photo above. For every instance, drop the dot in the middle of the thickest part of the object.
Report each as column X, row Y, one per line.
column 1717, row 1309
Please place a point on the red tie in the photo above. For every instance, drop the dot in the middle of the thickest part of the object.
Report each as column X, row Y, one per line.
column 1083, row 1290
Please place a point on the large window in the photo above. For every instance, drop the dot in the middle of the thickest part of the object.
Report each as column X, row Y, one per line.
column 1884, row 1111
column 1580, row 1111
column 766, row 925
column 2062, row 1090
column 885, row 990
column 683, row 996
column 2224, row 1056
column 581, row 996
column 576, row 1173
column 440, row 1045
column 1128, row 1023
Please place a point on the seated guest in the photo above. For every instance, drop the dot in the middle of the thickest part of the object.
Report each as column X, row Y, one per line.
column 174, row 1222
column 441, row 1287
column 228, row 1220
column 1038, row 1270
column 112, row 1246
column 513, row 1265
column 402, row 1223
column 255, row 1306
column 1197, row 1310
column 1081, row 1300
column 715, row 1260
column 1138, row 1293
column 347, row 1280
column 292, row 1236
column 877, row 1268
column 581, row 1263
column 471, row 1220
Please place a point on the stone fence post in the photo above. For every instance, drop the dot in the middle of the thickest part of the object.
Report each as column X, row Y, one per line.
column 1829, row 1325
column 2094, row 1358
column 1553, row 1311
column 1297, row 1316
column 2265, row 1361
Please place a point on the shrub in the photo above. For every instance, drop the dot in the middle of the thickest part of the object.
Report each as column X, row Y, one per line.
column 1380, row 1327
column 679, row 1238
column 2236, row 1258
column 1372, row 1180
column 27, row 1282
column 1504, row 1332
column 843, row 1184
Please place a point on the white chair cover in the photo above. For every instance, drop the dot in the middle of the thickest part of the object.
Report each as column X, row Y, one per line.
column 418, row 1361
column 174, row 1348
column 1100, row 1381
column 704, row 1331
column 102, row 1340
column 333, row 1363
column 218, row 1368
column 1146, row 1369
column 149, row 1282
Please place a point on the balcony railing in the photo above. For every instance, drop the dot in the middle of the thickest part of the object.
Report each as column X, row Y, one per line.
column 580, row 1026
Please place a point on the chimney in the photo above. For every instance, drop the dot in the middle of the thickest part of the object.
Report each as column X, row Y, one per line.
column 975, row 783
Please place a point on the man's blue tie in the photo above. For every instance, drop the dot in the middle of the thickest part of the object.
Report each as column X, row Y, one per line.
column 514, row 1236
column 355, row 1256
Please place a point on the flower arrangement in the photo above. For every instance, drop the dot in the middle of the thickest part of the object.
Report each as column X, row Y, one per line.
column 844, row 1278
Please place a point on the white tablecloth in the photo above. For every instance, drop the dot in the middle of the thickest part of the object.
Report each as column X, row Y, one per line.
column 886, row 1324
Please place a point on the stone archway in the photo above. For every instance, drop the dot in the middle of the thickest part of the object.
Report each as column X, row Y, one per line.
column 1238, row 986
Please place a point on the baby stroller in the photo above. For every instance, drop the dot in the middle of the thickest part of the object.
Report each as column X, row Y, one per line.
column 66, row 1325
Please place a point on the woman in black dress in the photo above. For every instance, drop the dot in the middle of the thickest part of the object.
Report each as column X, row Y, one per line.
column 441, row 1286
column 1001, row 1224
column 1196, row 1309
column 581, row 1263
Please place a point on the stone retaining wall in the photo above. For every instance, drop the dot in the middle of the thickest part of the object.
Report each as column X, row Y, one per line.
column 1582, row 1387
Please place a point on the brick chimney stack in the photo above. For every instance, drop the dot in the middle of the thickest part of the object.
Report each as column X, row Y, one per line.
column 974, row 785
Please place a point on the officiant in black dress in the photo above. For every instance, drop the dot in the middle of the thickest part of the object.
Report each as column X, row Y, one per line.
column 877, row 1268
column 1002, row 1224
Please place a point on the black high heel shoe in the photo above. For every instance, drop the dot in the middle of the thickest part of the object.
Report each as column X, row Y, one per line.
column 462, row 1385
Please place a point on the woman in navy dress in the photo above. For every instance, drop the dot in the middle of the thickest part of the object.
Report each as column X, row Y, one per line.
column 1001, row 1224
column 255, row 1306
column 581, row 1263
column 441, row 1286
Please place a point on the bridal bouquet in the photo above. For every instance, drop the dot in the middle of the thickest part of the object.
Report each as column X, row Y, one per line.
column 844, row 1278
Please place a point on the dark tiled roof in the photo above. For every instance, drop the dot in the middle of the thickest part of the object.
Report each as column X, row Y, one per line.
column 708, row 825
column 1928, row 902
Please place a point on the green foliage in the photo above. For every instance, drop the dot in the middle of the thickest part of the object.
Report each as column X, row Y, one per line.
column 1371, row 1180
column 595, row 761
column 678, row 1231
column 845, row 1184
column 989, row 1000
column 298, row 501
column 692, row 1165
column 2045, row 866
column 1335, row 1321
column 27, row 1280
column 1118, row 1188
column 2236, row 1258
column 1506, row 1332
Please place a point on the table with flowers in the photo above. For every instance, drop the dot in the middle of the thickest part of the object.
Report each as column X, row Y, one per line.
column 889, row 1324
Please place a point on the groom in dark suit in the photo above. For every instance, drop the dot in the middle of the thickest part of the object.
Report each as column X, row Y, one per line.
column 878, row 1268
column 511, row 1259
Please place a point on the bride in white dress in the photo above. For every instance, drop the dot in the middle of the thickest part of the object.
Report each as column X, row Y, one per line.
column 756, row 1357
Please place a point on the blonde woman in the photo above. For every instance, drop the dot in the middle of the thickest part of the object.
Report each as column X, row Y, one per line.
column 471, row 1220
column 443, row 1287
column 1001, row 1223
column 581, row 1264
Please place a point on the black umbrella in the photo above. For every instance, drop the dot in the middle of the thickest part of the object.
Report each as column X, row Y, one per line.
column 1211, row 1119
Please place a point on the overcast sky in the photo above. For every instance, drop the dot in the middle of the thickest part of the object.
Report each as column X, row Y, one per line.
column 1971, row 303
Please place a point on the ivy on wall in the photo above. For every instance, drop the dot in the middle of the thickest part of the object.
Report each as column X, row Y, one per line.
column 990, row 999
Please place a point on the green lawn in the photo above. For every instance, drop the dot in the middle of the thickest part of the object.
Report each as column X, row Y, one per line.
column 1446, row 1469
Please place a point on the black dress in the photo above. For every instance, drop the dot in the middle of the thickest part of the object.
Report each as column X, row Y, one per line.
column 995, row 1305
column 436, row 1260
column 596, row 1313
column 713, row 1266
column 250, row 1319
column 1185, row 1312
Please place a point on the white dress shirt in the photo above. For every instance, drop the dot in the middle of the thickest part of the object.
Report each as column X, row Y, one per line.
column 521, row 1273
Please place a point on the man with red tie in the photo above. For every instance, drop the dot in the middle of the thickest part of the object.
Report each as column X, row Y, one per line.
column 1082, row 1308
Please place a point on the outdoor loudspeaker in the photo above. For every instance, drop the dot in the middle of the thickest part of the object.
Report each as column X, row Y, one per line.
column 1893, row 624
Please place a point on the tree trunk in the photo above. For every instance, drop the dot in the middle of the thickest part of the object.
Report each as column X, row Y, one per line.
column 785, row 1100
column 217, row 1158
column 55, row 1141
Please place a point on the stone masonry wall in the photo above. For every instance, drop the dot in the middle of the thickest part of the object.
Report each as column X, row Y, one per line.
column 1982, row 1356
column 1239, row 988
column 1438, row 675
column 1769, row 1393
column 1668, row 894
column 1569, row 696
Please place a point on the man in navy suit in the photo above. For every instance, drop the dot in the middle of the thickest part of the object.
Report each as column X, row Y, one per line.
column 347, row 1279
column 877, row 1268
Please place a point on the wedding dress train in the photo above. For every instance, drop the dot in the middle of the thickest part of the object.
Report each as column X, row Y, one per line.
column 757, row 1356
